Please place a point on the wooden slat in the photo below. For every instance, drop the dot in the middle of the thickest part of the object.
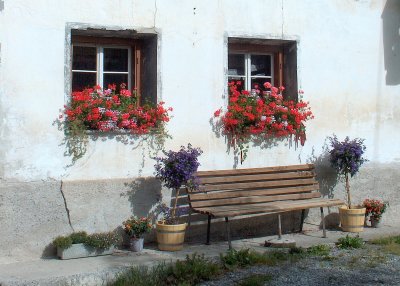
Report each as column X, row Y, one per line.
column 222, row 211
column 254, row 185
column 253, row 200
column 195, row 196
column 260, row 177
column 292, row 168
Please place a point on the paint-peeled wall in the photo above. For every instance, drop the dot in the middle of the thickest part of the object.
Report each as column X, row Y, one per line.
column 348, row 66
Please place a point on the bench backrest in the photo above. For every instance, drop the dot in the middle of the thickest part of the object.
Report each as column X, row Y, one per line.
column 256, row 185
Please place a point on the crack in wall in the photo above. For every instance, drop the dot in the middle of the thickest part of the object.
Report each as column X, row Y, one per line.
column 155, row 13
column 66, row 206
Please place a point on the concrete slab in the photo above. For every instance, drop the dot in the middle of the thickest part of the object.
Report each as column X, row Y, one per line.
column 97, row 270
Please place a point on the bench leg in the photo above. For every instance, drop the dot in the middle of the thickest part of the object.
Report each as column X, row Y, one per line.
column 279, row 227
column 303, row 212
column 228, row 232
column 323, row 222
column 208, row 230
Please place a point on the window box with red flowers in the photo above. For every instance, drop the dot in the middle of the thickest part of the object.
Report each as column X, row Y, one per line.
column 262, row 114
column 109, row 110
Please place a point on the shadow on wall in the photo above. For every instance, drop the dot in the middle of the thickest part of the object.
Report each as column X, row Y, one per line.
column 326, row 176
column 391, row 41
column 144, row 195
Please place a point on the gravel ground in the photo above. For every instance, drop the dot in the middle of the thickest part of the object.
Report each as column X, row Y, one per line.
column 367, row 266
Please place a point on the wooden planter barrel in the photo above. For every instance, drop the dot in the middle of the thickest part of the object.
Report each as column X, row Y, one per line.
column 170, row 237
column 352, row 220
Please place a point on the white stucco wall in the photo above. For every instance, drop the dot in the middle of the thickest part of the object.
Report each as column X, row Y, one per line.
column 341, row 68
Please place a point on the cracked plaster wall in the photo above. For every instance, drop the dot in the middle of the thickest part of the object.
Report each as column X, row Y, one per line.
column 340, row 68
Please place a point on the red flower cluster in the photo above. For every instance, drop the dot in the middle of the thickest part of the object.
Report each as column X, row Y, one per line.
column 263, row 113
column 105, row 110
column 375, row 208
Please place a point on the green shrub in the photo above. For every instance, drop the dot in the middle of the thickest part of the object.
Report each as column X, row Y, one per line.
column 350, row 242
column 242, row 258
column 63, row 242
column 102, row 240
column 78, row 237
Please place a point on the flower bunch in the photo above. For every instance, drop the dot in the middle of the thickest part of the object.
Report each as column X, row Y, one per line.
column 346, row 156
column 262, row 113
column 375, row 208
column 136, row 227
column 106, row 109
column 178, row 168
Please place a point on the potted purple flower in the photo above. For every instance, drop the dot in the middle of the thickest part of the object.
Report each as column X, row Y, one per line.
column 175, row 169
column 347, row 157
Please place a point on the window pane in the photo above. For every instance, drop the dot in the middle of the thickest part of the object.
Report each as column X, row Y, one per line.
column 261, row 65
column 80, row 80
column 84, row 58
column 260, row 82
column 236, row 64
column 115, row 79
column 116, row 60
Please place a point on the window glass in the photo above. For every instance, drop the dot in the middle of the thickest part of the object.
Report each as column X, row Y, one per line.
column 84, row 58
column 110, row 78
column 260, row 65
column 236, row 65
column 80, row 80
column 115, row 60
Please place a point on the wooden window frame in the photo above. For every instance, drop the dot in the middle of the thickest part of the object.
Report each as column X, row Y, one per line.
column 134, row 46
column 276, row 51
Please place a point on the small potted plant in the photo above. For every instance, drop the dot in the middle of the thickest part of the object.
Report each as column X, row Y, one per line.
column 136, row 228
column 375, row 209
column 80, row 244
column 175, row 170
column 347, row 157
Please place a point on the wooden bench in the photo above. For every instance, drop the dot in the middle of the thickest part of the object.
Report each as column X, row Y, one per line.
column 230, row 193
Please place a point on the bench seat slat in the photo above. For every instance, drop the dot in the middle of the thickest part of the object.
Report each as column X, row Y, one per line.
column 282, row 206
column 254, row 185
column 303, row 167
column 253, row 199
column 259, row 177
column 195, row 196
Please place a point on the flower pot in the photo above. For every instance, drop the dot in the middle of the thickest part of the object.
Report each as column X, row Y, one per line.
column 375, row 222
column 136, row 244
column 352, row 220
column 81, row 250
column 170, row 237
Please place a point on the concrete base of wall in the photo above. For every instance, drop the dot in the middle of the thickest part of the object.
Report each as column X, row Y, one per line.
column 32, row 214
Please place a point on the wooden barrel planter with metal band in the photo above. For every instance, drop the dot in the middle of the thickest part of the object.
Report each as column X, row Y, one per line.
column 170, row 237
column 352, row 220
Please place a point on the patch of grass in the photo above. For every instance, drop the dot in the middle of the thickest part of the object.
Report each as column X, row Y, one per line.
column 191, row 271
column 319, row 250
column 386, row 240
column 255, row 280
column 194, row 269
column 242, row 258
column 350, row 242
column 144, row 276
column 392, row 248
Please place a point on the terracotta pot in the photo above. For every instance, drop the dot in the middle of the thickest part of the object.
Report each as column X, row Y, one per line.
column 352, row 220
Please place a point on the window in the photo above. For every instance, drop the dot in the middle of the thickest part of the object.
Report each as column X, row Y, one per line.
column 102, row 65
column 256, row 61
column 102, row 57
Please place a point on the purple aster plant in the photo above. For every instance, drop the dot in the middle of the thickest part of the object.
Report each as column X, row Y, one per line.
column 177, row 169
column 347, row 157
